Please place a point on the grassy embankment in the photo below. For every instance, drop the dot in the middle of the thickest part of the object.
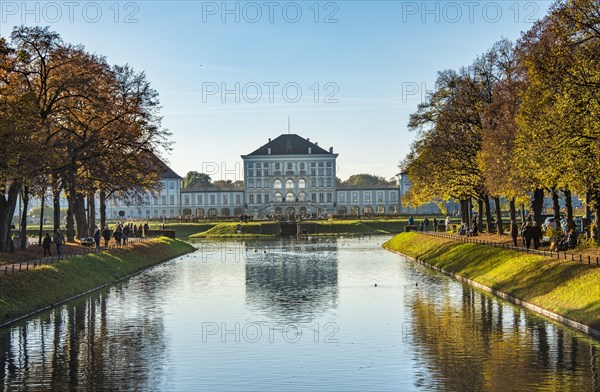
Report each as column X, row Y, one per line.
column 250, row 229
column 27, row 291
column 563, row 287
column 324, row 227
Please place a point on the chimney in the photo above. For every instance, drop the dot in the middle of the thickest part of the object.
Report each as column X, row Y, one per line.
column 269, row 140
column 308, row 139
column 331, row 150
column 316, row 143
column 309, row 150
column 269, row 151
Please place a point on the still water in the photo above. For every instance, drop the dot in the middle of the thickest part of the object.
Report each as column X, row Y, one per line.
column 286, row 315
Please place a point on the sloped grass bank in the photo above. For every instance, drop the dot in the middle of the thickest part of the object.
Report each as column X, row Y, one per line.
column 566, row 288
column 32, row 290
column 249, row 229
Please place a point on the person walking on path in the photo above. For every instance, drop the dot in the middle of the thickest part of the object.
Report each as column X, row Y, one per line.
column 106, row 236
column 46, row 244
column 435, row 224
column 58, row 240
column 426, row 222
column 528, row 234
column 97, row 236
column 514, row 231
column 447, row 222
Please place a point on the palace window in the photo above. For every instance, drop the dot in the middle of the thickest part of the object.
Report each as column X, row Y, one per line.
column 186, row 199
column 212, row 199
column 171, row 184
column 250, row 183
column 290, row 198
column 302, row 166
column 302, row 196
column 277, row 197
column 238, row 199
column 342, row 197
column 329, row 198
column 164, row 200
column 289, row 166
column 277, row 184
column 289, row 184
column 313, row 197
column 321, row 198
column 259, row 199
column 251, row 199
column 380, row 197
column 301, row 183
column 225, row 199
column 266, row 198
column 172, row 200
column 321, row 182
column 367, row 197
column 313, row 182
column 199, row 197
column 277, row 166
column 354, row 197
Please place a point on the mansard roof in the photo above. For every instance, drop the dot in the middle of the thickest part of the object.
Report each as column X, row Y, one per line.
column 166, row 173
column 289, row 144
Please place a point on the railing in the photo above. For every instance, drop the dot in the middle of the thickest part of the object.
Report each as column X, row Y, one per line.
column 556, row 254
column 29, row 264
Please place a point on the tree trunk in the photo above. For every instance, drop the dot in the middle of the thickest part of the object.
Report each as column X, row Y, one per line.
column 70, row 221
column 43, row 204
column 464, row 211
column 499, row 227
column 513, row 210
column 537, row 204
column 556, row 207
column 102, row 210
column 56, row 205
column 80, row 216
column 23, row 229
column 480, row 213
column 8, row 204
column 488, row 214
column 91, row 208
column 569, row 208
column 522, row 213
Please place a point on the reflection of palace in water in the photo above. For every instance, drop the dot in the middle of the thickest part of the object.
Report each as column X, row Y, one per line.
column 294, row 278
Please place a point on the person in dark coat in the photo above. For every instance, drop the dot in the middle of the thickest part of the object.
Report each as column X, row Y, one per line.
column 435, row 224
column 528, row 234
column 97, row 236
column 514, row 231
column 47, row 244
column 426, row 224
column 106, row 236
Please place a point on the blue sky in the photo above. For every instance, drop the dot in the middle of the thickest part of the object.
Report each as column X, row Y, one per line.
column 347, row 73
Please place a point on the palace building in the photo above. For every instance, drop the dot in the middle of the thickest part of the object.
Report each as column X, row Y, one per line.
column 288, row 176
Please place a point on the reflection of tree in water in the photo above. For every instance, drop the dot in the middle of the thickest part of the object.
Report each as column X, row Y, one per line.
column 475, row 347
column 81, row 346
column 293, row 281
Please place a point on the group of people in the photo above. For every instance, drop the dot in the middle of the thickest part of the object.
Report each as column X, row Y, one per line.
column 121, row 234
column 530, row 232
column 58, row 239
column 424, row 224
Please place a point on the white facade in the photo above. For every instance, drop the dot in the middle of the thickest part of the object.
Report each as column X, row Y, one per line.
column 288, row 176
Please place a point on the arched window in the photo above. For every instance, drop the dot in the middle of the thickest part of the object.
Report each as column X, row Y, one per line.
column 328, row 182
column 277, row 197
column 302, row 196
column 258, row 183
column 289, row 184
column 321, row 182
column 313, row 182
column 301, row 183
column 250, row 183
column 290, row 198
column 289, row 166
column 277, row 184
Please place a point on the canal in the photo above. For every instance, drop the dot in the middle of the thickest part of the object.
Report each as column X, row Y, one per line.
column 319, row 315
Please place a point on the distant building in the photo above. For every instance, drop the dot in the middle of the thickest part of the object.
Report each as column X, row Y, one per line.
column 288, row 176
